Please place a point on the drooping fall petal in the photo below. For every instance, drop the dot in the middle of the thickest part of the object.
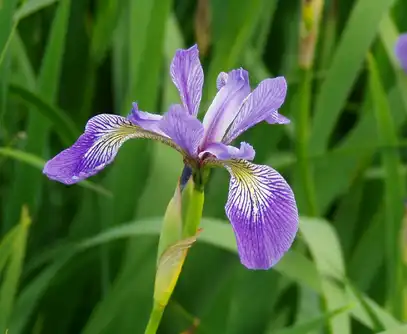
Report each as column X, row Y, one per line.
column 97, row 147
column 263, row 212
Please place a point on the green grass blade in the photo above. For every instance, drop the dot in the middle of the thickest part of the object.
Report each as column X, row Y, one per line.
column 398, row 330
column 30, row 296
column 11, row 277
column 25, row 76
column 38, row 163
column 30, row 7
column 62, row 123
column 366, row 260
column 313, row 324
column 394, row 190
column 6, row 26
column 389, row 34
column 359, row 33
column 293, row 265
column 103, row 27
column 233, row 33
column 305, row 186
column 147, row 20
column 6, row 30
column 326, row 251
column 152, row 201
column 28, row 181
column 6, row 247
column 143, row 40
column 263, row 26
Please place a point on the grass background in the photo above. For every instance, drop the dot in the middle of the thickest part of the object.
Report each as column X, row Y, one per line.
column 81, row 259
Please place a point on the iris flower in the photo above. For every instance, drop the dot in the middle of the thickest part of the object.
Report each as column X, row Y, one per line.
column 260, row 206
column 401, row 50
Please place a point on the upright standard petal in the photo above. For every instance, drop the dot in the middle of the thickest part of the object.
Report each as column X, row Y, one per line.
column 94, row 149
column 221, row 80
column 262, row 104
column 143, row 119
column 187, row 75
column 401, row 50
column 263, row 212
column 226, row 152
column 185, row 130
column 234, row 88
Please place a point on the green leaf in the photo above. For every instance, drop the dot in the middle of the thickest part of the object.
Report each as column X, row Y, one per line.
column 389, row 34
column 30, row 7
column 6, row 27
column 142, row 38
column 398, row 330
column 11, row 277
column 232, row 34
column 326, row 251
column 394, row 190
column 305, row 185
column 103, row 27
column 38, row 163
column 6, row 247
column 293, row 265
column 152, row 201
column 62, row 123
column 146, row 22
column 6, row 31
column 359, row 33
column 32, row 293
column 27, row 182
column 313, row 324
column 325, row 248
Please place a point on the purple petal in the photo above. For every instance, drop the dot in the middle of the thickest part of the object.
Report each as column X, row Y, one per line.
column 263, row 212
column 144, row 119
column 401, row 50
column 233, row 90
column 184, row 129
column 227, row 152
column 277, row 118
column 260, row 105
column 221, row 80
column 94, row 149
column 187, row 75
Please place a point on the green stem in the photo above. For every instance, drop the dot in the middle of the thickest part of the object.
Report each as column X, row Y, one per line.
column 192, row 205
column 302, row 135
column 193, row 211
column 155, row 318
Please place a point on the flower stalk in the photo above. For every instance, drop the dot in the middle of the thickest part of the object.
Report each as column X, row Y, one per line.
column 309, row 28
column 193, row 200
column 179, row 232
column 155, row 319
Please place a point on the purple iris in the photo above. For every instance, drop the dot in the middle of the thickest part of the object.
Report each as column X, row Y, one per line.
column 401, row 50
column 261, row 205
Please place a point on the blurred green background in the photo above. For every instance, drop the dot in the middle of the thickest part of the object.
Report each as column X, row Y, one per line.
column 81, row 259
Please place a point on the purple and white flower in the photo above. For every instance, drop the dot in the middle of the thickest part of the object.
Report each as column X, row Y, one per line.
column 401, row 51
column 260, row 206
